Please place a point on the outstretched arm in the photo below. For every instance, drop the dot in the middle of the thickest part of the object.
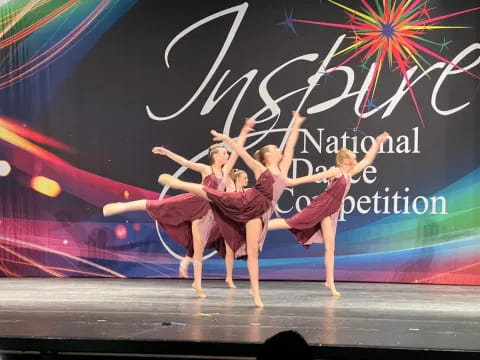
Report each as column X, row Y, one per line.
column 201, row 168
column 327, row 174
column 291, row 142
column 247, row 127
column 370, row 155
column 253, row 164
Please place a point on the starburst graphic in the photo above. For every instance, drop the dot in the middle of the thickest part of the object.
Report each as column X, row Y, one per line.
column 444, row 44
column 326, row 75
column 392, row 33
column 288, row 22
column 371, row 105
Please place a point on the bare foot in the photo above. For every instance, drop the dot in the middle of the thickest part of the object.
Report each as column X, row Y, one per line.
column 199, row 291
column 163, row 179
column 166, row 179
column 257, row 299
column 183, row 268
column 230, row 283
column 332, row 289
column 112, row 209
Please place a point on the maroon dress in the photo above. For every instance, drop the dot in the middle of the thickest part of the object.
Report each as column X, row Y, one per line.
column 305, row 225
column 215, row 239
column 211, row 236
column 233, row 209
column 175, row 214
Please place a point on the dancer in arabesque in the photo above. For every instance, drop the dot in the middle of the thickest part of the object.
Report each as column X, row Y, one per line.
column 187, row 218
column 242, row 217
column 317, row 223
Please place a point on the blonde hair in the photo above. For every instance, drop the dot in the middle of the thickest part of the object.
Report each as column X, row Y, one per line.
column 213, row 150
column 235, row 174
column 342, row 155
column 259, row 155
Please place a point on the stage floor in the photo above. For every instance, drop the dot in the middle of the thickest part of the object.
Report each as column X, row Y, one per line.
column 366, row 315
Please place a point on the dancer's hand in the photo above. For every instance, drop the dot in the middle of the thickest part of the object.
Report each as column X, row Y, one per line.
column 248, row 126
column 218, row 136
column 297, row 118
column 159, row 150
column 382, row 137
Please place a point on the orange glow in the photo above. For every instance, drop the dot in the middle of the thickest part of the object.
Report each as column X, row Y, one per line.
column 126, row 195
column 45, row 186
column 5, row 168
column 18, row 141
column 25, row 132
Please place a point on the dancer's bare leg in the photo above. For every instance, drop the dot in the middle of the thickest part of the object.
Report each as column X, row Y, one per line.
column 278, row 224
column 174, row 183
column 329, row 239
column 229, row 258
column 254, row 230
column 183, row 267
column 121, row 207
column 197, row 259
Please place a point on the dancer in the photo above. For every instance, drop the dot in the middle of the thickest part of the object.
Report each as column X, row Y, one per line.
column 207, row 228
column 236, row 182
column 239, row 179
column 242, row 217
column 317, row 223
column 186, row 218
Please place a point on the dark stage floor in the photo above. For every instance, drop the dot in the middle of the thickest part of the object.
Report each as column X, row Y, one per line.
column 36, row 313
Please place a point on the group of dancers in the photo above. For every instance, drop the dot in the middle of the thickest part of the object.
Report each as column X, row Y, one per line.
column 221, row 214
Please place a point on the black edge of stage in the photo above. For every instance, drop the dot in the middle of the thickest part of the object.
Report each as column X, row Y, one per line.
column 74, row 318
column 87, row 348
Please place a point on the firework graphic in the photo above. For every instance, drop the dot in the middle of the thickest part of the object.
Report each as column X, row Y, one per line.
column 392, row 32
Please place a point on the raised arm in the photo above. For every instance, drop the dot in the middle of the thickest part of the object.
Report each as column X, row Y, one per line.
column 253, row 164
column 291, row 142
column 201, row 168
column 247, row 127
column 327, row 174
column 370, row 155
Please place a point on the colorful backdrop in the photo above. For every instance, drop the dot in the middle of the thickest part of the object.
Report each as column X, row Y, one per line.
column 88, row 87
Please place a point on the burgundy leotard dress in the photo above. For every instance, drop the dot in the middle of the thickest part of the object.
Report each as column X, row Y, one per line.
column 233, row 209
column 305, row 225
column 175, row 214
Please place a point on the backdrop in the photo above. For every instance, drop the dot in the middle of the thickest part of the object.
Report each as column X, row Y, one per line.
column 88, row 87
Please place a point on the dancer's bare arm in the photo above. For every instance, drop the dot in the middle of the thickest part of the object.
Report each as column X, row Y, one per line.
column 253, row 164
column 327, row 174
column 201, row 168
column 289, row 151
column 242, row 137
column 370, row 155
